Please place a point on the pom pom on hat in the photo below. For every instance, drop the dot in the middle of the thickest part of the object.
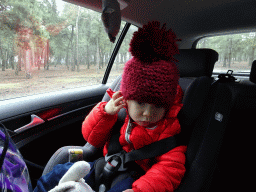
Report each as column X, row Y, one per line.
column 151, row 76
column 151, row 43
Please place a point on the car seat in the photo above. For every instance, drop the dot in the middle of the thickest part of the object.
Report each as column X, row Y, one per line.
column 236, row 159
column 195, row 66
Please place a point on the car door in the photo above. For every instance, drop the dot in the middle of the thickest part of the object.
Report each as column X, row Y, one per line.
column 43, row 108
column 42, row 124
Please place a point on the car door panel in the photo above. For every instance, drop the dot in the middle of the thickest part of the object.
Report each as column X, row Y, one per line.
column 62, row 114
column 14, row 107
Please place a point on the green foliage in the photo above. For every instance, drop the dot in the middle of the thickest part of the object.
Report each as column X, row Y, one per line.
column 236, row 46
column 40, row 15
column 88, row 30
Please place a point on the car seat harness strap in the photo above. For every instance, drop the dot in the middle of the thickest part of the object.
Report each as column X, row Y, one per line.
column 117, row 160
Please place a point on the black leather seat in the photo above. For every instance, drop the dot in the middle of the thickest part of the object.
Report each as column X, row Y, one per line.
column 236, row 160
column 195, row 67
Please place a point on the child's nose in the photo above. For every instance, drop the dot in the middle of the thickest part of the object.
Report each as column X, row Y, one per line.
column 148, row 110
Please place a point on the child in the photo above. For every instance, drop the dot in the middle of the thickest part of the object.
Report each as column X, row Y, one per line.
column 152, row 96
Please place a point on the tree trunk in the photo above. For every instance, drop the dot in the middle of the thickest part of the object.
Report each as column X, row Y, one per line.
column 97, row 57
column 130, row 55
column 73, row 59
column 18, row 66
column 3, row 61
column 2, row 57
column 87, row 57
column 251, row 56
column 224, row 63
column 67, row 60
column 38, row 60
column 229, row 59
column 230, row 53
column 123, row 61
column 77, row 59
column 88, row 51
column 239, row 59
column 3, row 65
column 94, row 58
column 72, row 49
column 28, row 63
column 33, row 57
column 101, row 59
column 67, row 55
column 12, row 58
column 117, row 61
column 47, row 54
column 7, row 59
column 12, row 62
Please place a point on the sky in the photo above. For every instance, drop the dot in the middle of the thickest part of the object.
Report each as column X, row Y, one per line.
column 60, row 5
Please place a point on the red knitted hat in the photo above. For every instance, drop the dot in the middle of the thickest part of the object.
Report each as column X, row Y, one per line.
column 151, row 76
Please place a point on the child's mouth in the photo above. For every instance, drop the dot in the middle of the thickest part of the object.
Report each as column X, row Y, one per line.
column 146, row 123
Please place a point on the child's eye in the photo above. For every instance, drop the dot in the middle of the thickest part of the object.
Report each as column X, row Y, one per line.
column 140, row 103
column 158, row 106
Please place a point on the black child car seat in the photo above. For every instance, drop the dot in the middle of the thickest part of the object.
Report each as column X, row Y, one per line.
column 195, row 66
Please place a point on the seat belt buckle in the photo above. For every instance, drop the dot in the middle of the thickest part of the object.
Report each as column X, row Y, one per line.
column 113, row 164
column 116, row 160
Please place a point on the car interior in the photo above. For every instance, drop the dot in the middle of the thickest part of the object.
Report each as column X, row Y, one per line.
column 218, row 107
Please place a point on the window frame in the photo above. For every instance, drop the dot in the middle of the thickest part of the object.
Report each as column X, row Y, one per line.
column 115, row 51
column 243, row 75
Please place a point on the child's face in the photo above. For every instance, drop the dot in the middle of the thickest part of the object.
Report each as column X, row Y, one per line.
column 144, row 114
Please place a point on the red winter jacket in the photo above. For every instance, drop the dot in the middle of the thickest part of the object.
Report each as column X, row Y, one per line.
column 167, row 170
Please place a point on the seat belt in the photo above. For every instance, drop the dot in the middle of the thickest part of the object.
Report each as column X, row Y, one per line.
column 147, row 152
column 117, row 160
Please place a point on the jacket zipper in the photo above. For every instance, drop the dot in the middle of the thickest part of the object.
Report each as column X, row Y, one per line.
column 128, row 132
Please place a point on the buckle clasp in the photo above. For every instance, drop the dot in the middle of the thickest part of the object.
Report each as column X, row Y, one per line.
column 109, row 158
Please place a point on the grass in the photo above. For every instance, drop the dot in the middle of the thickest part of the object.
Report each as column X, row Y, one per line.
column 9, row 85
column 56, row 78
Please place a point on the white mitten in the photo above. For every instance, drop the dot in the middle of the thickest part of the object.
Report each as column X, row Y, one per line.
column 73, row 180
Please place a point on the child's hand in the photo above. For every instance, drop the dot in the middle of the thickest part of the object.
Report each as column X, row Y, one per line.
column 115, row 104
column 128, row 190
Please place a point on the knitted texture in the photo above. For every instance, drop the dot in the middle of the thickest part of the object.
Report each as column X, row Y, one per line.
column 151, row 76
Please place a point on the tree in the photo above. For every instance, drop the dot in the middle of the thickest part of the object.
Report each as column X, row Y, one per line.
column 77, row 36
column 20, row 16
column 250, row 44
column 77, row 39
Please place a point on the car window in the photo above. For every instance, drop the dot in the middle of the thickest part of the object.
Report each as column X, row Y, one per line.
column 236, row 52
column 51, row 45
column 123, row 55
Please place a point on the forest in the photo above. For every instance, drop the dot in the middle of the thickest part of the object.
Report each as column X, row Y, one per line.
column 232, row 48
column 35, row 34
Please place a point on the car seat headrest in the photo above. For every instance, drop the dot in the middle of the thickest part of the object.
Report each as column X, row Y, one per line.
column 194, row 98
column 253, row 72
column 196, row 62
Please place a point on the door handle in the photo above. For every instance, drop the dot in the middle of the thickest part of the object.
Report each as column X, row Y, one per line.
column 35, row 120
